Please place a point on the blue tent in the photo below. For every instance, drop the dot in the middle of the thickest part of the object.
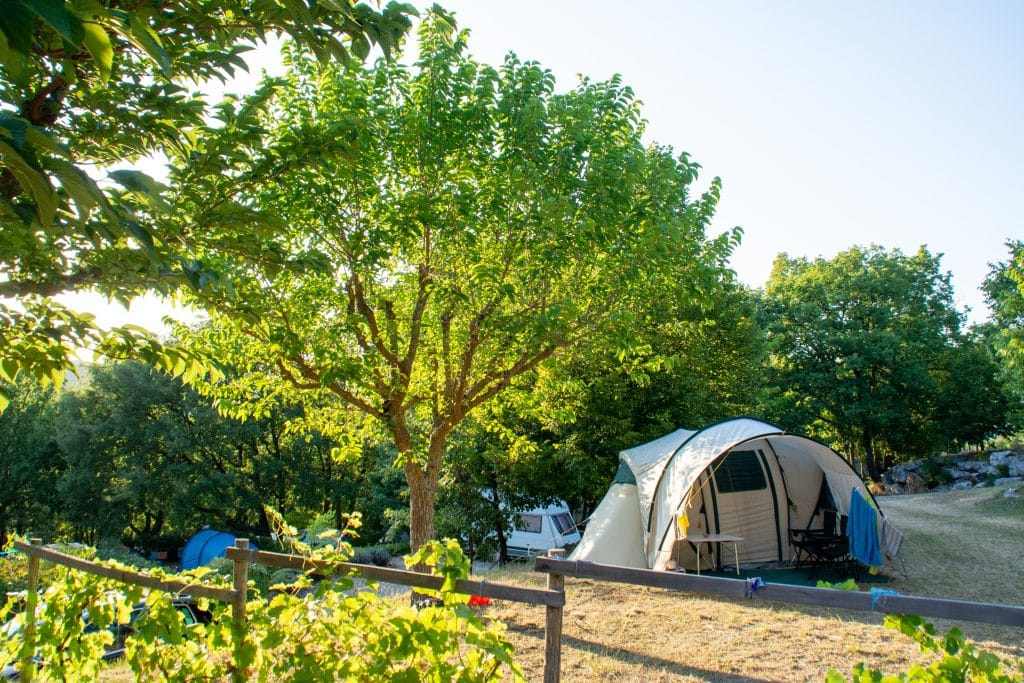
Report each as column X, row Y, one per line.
column 204, row 547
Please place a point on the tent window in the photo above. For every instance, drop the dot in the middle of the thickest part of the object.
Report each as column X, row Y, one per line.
column 740, row 471
column 530, row 523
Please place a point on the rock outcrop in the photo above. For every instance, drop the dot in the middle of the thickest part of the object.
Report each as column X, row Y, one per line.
column 956, row 473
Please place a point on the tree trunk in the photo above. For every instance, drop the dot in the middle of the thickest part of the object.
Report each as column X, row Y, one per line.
column 422, row 496
column 869, row 456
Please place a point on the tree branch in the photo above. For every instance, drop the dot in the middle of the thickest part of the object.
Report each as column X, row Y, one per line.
column 363, row 308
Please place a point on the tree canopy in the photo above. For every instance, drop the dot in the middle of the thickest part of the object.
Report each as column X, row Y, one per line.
column 90, row 86
column 1004, row 290
column 455, row 226
column 865, row 348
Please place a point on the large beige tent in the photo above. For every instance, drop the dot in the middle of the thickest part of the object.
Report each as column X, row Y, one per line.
column 741, row 477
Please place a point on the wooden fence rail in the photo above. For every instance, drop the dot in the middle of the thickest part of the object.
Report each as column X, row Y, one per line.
column 877, row 601
column 196, row 590
column 530, row 596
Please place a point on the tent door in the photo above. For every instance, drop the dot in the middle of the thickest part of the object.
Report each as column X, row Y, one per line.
column 745, row 492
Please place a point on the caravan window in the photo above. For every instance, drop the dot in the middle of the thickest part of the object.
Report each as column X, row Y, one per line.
column 530, row 523
column 563, row 522
column 740, row 471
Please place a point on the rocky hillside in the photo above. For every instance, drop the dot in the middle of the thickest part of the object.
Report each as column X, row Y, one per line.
column 956, row 473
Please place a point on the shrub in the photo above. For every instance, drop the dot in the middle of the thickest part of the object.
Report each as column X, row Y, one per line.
column 959, row 659
column 933, row 473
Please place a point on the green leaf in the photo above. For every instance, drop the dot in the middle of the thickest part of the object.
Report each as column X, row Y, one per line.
column 32, row 181
column 143, row 186
column 82, row 189
column 9, row 369
column 15, row 127
column 16, row 24
column 56, row 14
column 135, row 31
column 141, row 234
column 98, row 43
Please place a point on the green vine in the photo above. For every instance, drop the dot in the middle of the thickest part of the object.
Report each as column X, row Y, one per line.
column 327, row 632
column 959, row 659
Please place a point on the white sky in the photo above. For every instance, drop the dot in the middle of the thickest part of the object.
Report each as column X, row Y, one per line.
column 831, row 124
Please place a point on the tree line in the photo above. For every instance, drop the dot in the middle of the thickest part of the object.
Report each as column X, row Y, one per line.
column 865, row 351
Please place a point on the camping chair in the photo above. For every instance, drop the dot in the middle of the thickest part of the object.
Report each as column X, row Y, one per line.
column 825, row 548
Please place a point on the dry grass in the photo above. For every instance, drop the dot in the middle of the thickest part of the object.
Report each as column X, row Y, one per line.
column 963, row 545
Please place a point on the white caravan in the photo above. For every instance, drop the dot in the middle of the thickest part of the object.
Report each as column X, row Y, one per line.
column 541, row 529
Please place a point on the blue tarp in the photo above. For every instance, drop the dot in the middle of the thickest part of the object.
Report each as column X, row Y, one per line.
column 862, row 530
column 204, row 547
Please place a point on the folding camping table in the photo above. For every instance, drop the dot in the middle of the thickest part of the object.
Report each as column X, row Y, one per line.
column 698, row 542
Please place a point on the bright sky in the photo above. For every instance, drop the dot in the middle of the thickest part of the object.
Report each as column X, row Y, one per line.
column 831, row 124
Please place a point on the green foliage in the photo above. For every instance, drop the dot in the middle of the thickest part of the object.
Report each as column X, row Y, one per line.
column 594, row 407
column 458, row 226
column 1004, row 291
column 330, row 633
column 867, row 350
column 14, row 566
column 847, row 585
column 92, row 85
column 375, row 554
column 29, row 461
column 71, row 624
column 165, row 463
column 933, row 472
column 959, row 659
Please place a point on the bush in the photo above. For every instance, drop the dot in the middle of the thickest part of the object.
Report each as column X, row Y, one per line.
column 933, row 473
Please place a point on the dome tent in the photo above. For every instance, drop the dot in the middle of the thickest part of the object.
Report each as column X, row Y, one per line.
column 741, row 477
column 204, row 547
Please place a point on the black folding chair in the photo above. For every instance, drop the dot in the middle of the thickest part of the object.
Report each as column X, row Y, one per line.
column 825, row 548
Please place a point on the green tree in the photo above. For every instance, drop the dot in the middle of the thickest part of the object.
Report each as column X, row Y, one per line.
column 29, row 461
column 708, row 369
column 462, row 225
column 1004, row 291
column 864, row 347
column 98, row 84
column 164, row 463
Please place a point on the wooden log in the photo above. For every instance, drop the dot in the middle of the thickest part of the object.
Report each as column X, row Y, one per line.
column 176, row 586
column 553, row 625
column 498, row 591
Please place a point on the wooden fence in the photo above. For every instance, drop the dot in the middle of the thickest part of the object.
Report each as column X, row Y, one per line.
column 874, row 601
column 552, row 598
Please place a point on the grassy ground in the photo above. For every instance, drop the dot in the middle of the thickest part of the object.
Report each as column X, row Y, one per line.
column 964, row 545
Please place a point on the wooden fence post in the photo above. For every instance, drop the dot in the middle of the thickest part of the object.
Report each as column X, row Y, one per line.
column 553, row 626
column 28, row 667
column 240, row 581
